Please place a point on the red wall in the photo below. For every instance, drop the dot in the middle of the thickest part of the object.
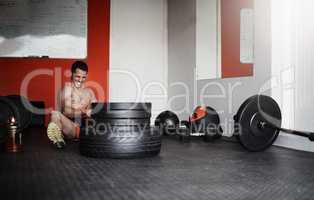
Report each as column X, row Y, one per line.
column 14, row 70
column 230, row 39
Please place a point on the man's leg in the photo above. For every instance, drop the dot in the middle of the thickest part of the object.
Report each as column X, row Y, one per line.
column 60, row 123
column 70, row 129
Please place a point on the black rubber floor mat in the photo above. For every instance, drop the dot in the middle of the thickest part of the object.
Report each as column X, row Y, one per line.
column 182, row 171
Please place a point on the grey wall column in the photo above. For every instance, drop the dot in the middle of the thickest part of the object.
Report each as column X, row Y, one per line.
column 181, row 55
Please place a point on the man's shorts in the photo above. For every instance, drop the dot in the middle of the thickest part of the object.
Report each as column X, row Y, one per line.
column 80, row 121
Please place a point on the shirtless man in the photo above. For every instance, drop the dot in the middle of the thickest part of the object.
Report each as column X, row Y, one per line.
column 76, row 102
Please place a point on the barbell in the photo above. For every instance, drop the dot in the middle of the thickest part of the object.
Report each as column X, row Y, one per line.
column 258, row 123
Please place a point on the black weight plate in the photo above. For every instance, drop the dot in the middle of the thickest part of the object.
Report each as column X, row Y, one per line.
column 167, row 118
column 121, row 114
column 236, row 117
column 168, row 122
column 163, row 118
column 212, row 116
column 256, row 110
column 108, row 106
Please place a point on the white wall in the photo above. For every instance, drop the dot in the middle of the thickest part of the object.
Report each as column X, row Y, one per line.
column 226, row 95
column 208, row 39
column 282, row 64
column 292, row 68
column 194, row 50
column 138, row 52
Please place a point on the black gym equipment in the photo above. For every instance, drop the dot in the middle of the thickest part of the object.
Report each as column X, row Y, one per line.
column 120, row 130
column 123, row 144
column 121, row 110
column 258, row 123
column 203, row 122
column 122, row 114
column 206, row 120
column 168, row 122
column 3, row 133
column 118, row 122
column 123, row 106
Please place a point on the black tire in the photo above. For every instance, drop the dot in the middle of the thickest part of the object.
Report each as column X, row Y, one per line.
column 108, row 132
column 145, row 144
column 3, row 133
column 123, row 132
column 7, row 110
column 119, row 122
column 124, row 106
column 121, row 114
column 22, row 105
column 2, row 147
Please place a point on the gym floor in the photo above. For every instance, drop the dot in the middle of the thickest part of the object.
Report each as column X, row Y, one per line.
column 195, row 170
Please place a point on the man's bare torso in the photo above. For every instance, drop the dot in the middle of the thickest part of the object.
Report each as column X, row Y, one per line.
column 76, row 102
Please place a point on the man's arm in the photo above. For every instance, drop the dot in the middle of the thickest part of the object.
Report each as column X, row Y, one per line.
column 93, row 97
column 92, row 100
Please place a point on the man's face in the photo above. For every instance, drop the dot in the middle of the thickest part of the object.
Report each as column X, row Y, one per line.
column 78, row 78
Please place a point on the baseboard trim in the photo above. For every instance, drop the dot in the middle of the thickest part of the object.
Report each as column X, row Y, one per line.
column 294, row 142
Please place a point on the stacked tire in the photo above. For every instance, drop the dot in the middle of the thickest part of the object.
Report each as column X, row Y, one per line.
column 120, row 130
